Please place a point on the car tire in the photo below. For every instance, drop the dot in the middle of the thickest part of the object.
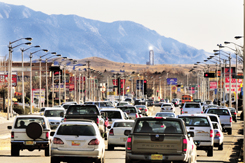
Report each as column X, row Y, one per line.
column 34, row 130
column 110, row 147
column 54, row 160
column 229, row 131
column 128, row 161
column 210, row 152
column 101, row 160
column 220, row 147
column 15, row 151
column 47, row 151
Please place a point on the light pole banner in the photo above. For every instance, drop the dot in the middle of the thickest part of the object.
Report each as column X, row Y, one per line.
column 213, row 85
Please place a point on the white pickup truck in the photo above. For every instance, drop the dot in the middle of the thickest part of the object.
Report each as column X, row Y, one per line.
column 224, row 116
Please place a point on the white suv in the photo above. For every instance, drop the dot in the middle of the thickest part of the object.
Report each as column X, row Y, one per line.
column 192, row 108
column 30, row 132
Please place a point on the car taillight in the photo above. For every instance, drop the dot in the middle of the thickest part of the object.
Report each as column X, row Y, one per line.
column 140, row 116
column 12, row 134
column 136, row 115
column 94, row 142
column 235, row 113
column 184, row 145
column 58, row 141
column 217, row 134
column 230, row 119
column 129, row 143
column 140, row 108
column 47, row 135
column 158, row 117
column 145, row 109
column 211, row 133
column 202, row 112
column 65, row 120
column 182, row 112
column 97, row 121
column 111, row 132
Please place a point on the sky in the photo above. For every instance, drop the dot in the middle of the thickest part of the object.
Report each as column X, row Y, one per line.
column 201, row 24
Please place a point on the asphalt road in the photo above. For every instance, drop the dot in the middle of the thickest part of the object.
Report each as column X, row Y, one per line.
column 118, row 155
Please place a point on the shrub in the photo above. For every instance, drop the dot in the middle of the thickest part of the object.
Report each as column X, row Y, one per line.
column 18, row 109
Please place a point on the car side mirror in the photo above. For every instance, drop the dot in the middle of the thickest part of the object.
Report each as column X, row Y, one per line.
column 190, row 134
column 9, row 127
column 127, row 132
column 52, row 133
column 109, row 127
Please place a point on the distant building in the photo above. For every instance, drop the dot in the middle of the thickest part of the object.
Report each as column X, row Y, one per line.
column 151, row 57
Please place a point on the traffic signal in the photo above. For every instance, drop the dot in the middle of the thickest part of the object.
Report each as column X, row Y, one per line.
column 178, row 85
column 209, row 75
column 145, row 87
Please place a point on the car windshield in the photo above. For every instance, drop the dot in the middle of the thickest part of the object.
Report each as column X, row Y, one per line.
column 74, row 129
column 76, row 110
column 195, row 121
column 158, row 126
column 165, row 115
column 141, row 107
column 123, row 124
column 196, row 100
column 232, row 110
column 128, row 109
column 122, row 103
column 113, row 114
column 192, row 106
column 208, row 102
column 24, row 122
column 166, row 104
column 219, row 111
column 54, row 113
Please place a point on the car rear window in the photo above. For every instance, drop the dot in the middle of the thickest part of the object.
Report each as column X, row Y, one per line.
column 123, row 124
column 192, row 106
column 128, row 109
column 74, row 129
column 158, row 126
column 113, row 114
column 196, row 121
column 215, row 126
column 78, row 110
column 213, row 118
column 166, row 105
column 219, row 111
column 165, row 115
column 54, row 113
column 24, row 122
column 208, row 102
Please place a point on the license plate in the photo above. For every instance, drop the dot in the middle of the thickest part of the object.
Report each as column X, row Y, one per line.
column 75, row 143
column 156, row 157
column 29, row 142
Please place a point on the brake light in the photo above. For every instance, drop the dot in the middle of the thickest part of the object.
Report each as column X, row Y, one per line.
column 111, row 132
column 129, row 143
column 12, row 134
column 184, row 145
column 140, row 108
column 58, row 141
column 47, row 135
column 202, row 112
column 140, row 116
column 65, row 120
column 136, row 115
column 145, row 109
column 230, row 119
column 211, row 133
column 217, row 134
column 235, row 113
column 97, row 121
column 158, row 117
column 94, row 142
column 182, row 112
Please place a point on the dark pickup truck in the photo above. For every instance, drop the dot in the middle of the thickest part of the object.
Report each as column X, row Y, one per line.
column 86, row 112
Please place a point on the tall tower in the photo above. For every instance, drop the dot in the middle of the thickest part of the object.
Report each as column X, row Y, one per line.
column 151, row 57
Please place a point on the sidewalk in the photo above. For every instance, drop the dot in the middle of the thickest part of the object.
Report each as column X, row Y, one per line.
column 3, row 118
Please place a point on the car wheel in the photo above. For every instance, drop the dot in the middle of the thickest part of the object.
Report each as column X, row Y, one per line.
column 229, row 131
column 128, row 161
column 15, row 150
column 54, row 160
column 110, row 147
column 210, row 152
column 220, row 147
column 47, row 151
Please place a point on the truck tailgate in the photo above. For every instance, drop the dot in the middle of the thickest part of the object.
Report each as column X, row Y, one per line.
column 157, row 143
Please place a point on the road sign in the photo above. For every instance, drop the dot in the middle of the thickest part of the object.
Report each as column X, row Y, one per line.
column 139, row 84
column 172, row 81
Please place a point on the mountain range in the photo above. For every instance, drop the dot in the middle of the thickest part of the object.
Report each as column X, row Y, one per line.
column 78, row 38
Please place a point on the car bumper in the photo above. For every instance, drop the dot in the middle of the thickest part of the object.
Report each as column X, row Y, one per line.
column 117, row 140
column 217, row 141
column 96, row 153
column 167, row 111
column 36, row 144
column 226, row 125
column 203, row 144
column 147, row 157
